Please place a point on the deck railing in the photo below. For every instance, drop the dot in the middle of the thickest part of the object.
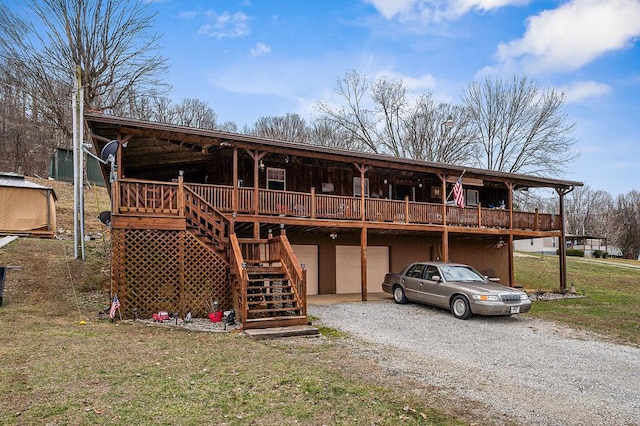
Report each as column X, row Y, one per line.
column 148, row 197
column 144, row 197
column 279, row 248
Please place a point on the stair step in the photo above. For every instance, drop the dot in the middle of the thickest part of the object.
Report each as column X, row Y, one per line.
column 284, row 331
column 262, row 284
column 265, row 270
column 262, row 300
column 259, row 292
column 261, row 323
column 273, row 310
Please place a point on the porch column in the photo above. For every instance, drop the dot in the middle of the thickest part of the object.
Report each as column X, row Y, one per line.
column 257, row 156
column 563, row 244
column 512, row 273
column 234, row 192
column 445, row 230
column 363, row 261
column 510, row 203
column 511, row 264
column 362, row 169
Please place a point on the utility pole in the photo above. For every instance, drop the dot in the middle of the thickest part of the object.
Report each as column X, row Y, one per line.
column 78, row 167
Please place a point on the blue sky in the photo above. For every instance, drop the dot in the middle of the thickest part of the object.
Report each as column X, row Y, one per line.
column 249, row 59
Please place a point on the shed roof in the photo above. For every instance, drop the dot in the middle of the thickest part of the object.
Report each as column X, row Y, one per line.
column 14, row 180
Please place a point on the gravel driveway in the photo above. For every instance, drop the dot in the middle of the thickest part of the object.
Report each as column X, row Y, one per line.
column 523, row 369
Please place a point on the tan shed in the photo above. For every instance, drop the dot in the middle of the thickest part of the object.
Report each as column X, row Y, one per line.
column 26, row 208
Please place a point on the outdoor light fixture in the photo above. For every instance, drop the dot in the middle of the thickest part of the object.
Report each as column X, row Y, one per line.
column 333, row 235
column 261, row 166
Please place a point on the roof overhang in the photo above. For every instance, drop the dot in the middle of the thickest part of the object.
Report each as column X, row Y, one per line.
column 158, row 147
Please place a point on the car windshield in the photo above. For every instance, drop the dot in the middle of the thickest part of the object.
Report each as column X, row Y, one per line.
column 461, row 274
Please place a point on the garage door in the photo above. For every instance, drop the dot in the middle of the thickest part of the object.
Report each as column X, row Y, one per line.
column 308, row 254
column 348, row 277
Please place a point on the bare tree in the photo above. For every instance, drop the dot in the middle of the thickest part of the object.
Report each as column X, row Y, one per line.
column 355, row 118
column 325, row 132
column 437, row 133
column 195, row 113
column 290, row 127
column 110, row 40
column 382, row 117
column 520, row 128
column 627, row 224
column 588, row 212
column 26, row 139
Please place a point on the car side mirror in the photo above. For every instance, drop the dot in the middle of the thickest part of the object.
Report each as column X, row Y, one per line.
column 436, row 278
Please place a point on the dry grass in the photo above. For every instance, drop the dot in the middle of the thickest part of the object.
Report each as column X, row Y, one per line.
column 55, row 370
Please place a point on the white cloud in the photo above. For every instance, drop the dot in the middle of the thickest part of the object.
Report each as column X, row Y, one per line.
column 580, row 90
column 433, row 10
column 225, row 25
column 391, row 8
column 458, row 8
column 420, row 83
column 260, row 50
column 188, row 15
column 576, row 33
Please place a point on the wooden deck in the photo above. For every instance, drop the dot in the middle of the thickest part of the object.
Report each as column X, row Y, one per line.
column 166, row 199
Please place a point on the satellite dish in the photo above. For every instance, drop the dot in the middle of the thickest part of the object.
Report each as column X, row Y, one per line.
column 105, row 218
column 109, row 150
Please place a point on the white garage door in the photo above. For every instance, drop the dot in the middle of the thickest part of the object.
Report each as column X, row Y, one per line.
column 308, row 254
column 348, row 277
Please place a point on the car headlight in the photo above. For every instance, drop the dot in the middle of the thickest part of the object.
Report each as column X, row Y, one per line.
column 486, row 297
column 524, row 296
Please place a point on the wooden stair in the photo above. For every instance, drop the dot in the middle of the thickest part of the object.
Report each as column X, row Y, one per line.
column 271, row 301
column 205, row 222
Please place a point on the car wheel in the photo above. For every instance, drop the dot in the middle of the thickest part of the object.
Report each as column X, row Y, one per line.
column 398, row 295
column 460, row 307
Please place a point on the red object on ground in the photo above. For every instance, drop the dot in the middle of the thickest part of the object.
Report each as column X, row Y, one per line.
column 161, row 316
column 215, row 316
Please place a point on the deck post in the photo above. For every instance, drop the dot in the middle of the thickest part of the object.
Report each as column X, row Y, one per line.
column 511, row 264
column 445, row 231
column 363, row 261
column 181, row 193
column 406, row 209
column 563, row 244
column 234, row 192
column 479, row 215
column 313, row 202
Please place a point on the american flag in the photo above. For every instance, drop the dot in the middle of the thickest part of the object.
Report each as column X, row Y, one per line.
column 458, row 193
column 115, row 305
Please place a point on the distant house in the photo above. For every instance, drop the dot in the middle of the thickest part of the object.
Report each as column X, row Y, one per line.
column 26, row 208
column 586, row 243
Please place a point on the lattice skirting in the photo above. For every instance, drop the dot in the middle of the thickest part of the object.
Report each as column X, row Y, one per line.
column 170, row 271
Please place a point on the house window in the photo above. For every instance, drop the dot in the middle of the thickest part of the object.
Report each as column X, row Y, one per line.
column 276, row 179
column 472, row 197
column 356, row 187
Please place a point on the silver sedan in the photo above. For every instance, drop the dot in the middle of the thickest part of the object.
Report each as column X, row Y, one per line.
column 456, row 287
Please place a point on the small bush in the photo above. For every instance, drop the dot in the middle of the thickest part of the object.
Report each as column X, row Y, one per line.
column 597, row 254
column 573, row 252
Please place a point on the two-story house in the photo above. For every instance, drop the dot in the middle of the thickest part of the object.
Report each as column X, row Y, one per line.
column 258, row 224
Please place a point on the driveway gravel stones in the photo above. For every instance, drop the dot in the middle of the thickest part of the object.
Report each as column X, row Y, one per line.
column 518, row 368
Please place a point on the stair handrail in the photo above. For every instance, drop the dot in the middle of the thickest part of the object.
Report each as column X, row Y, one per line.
column 239, row 269
column 280, row 248
column 218, row 222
